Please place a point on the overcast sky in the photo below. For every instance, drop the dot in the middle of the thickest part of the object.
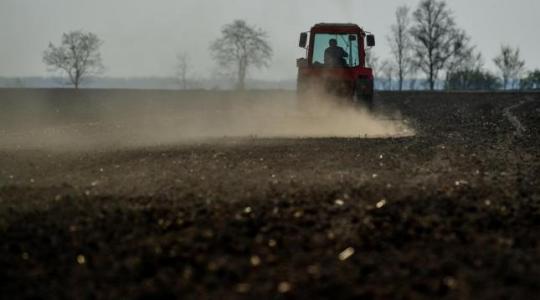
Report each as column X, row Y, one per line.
column 142, row 37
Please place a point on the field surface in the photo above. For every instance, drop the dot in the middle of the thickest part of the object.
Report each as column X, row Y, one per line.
column 92, row 207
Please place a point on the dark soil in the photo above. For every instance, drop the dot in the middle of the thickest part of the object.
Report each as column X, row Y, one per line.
column 452, row 213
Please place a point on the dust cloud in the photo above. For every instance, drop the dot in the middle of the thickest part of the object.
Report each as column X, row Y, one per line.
column 112, row 121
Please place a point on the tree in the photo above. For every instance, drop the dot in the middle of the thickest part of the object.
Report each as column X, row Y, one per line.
column 465, row 63
column 472, row 79
column 510, row 65
column 182, row 68
column 466, row 72
column 413, row 71
column 400, row 43
column 241, row 46
column 78, row 56
column 436, row 38
column 387, row 71
column 19, row 83
column 372, row 60
column 532, row 81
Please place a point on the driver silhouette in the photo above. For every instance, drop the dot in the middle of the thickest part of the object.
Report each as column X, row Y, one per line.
column 334, row 56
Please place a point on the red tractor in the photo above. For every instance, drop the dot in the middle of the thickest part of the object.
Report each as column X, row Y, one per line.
column 336, row 62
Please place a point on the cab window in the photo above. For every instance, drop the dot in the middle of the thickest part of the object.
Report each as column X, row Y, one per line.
column 348, row 42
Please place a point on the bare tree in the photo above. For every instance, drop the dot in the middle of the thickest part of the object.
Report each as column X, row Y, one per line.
column 531, row 81
column 78, row 56
column 387, row 71
column 413, row 72
column 241, row 46
column 468, row 60
column 400, row 43
column 510, row 65
column 436, row 38
column 18, row 82
column 182, row 69
column 372, row 60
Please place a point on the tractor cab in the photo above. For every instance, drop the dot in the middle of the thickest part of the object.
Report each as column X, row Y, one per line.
column 335, row 59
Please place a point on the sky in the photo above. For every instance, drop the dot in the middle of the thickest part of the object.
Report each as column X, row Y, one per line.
column 142, row 37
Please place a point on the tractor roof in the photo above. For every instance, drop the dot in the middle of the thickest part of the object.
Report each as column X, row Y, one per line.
column 336, row 27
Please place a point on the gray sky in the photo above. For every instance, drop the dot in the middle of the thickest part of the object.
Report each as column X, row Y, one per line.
column 142, row 37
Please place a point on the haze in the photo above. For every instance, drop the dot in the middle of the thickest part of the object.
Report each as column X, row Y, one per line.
column 142, row 37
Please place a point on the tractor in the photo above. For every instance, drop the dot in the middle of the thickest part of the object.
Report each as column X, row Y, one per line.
column 348, row 78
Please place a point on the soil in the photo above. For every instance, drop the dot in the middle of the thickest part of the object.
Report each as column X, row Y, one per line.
column 452, row 212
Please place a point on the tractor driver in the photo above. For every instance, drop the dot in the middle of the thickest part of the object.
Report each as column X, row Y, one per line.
column 334, row 56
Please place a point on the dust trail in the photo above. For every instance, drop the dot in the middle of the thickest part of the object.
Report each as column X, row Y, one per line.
column 108, row 122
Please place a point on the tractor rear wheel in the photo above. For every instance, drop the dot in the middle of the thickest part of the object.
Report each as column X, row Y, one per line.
column 363, row 93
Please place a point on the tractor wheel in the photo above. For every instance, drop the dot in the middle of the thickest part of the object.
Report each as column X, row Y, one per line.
column 364, row 93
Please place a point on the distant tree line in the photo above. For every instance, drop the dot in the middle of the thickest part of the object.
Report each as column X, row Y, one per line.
column 531, row 81
column 424, row 42
column 240, row 47
column 429, row 42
